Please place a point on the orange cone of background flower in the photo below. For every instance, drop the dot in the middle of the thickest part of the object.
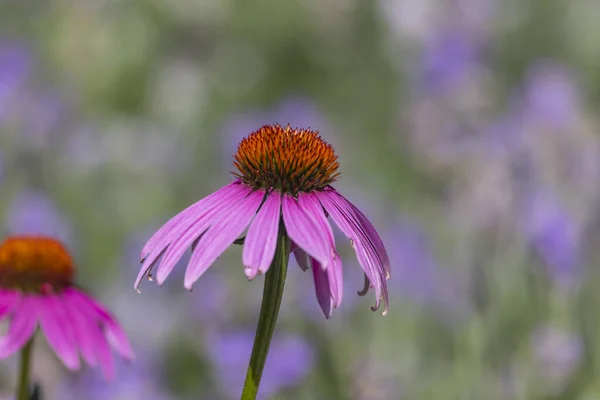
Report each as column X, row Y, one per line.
column 36, row 289
column 283, row 181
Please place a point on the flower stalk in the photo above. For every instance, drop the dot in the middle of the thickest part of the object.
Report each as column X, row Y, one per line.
column 23, row 387
column 269, row 310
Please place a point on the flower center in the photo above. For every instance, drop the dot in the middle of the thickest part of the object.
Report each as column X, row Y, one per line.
column 34, row 264
column 290, row 160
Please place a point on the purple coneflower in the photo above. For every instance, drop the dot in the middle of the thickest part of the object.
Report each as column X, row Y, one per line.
column 36, row 288
column 283, row 182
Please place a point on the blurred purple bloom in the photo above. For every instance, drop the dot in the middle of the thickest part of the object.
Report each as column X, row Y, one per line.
column 551, row 95
column 39, row 117
column 553, row 234
column 557, row 354
column 447, row 60
column 290, row 360
column 33, row 212
column 133, row 381
column 298, row 112
column 418, row 275
column 14, row 69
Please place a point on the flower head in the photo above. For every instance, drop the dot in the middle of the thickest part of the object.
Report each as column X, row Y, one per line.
column 36, row 288
column 283, row 181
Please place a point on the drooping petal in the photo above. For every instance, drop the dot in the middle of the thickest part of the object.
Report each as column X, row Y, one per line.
column 97, row 317
column 8, row 301
column 22, row 328
column 305, row 232
column 147, row 266
column 302, row 258
column 161, row 237
column 157, row 244
column 58, row 330
column 261, row 239
column 351, row 223
column 310, row 203
column 221, row 235
column 372, row 234
column 82, row 322
column 103, row 353
column 194, row 231
column 336, row 281
column 322, row 288
column 114, row 332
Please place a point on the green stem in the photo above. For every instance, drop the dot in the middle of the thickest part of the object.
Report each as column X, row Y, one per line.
column 23, row 388
column 269, row 309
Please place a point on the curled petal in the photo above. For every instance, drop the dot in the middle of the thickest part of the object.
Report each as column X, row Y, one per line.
column 352, row 223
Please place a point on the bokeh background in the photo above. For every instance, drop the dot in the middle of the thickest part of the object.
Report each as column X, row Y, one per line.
column 467, row 131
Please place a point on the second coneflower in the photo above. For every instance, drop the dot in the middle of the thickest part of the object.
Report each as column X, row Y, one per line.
column 283, row 175
column 37, row 290
column 283, row 192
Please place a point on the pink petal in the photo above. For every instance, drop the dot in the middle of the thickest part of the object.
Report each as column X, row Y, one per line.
column 352, row 225
column 8, row 301
column 22, row 327
column 102, row 351
column 261, row 239
column 178, row 247
column 114, row 332
column 336, row 281
column 305, row 232
column 372, row 235
column 81, row 328
column 310, row 204
column 96, row 317
column 157, row 244
column 322, row 289
column 302, row 258
column 58, row 330
column 158, row 239
column 221, row 235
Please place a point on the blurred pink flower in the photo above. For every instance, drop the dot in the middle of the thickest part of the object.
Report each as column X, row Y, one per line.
column 283, row 182
column 36, row 287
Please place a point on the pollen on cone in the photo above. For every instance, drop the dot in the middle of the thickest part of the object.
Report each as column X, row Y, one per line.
column 290, row 160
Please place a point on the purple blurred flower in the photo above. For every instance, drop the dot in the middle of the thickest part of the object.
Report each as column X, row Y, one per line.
column 133, row 381
column 551, row 95
column 418, row 274
column 557, row 355
column 14, row 69
column 290, row 360
column 448, row 59
column 33, row 212
column 553, row 233
column 39, row 117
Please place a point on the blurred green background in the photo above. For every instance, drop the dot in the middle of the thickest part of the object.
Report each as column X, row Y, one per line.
column 467, row 132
